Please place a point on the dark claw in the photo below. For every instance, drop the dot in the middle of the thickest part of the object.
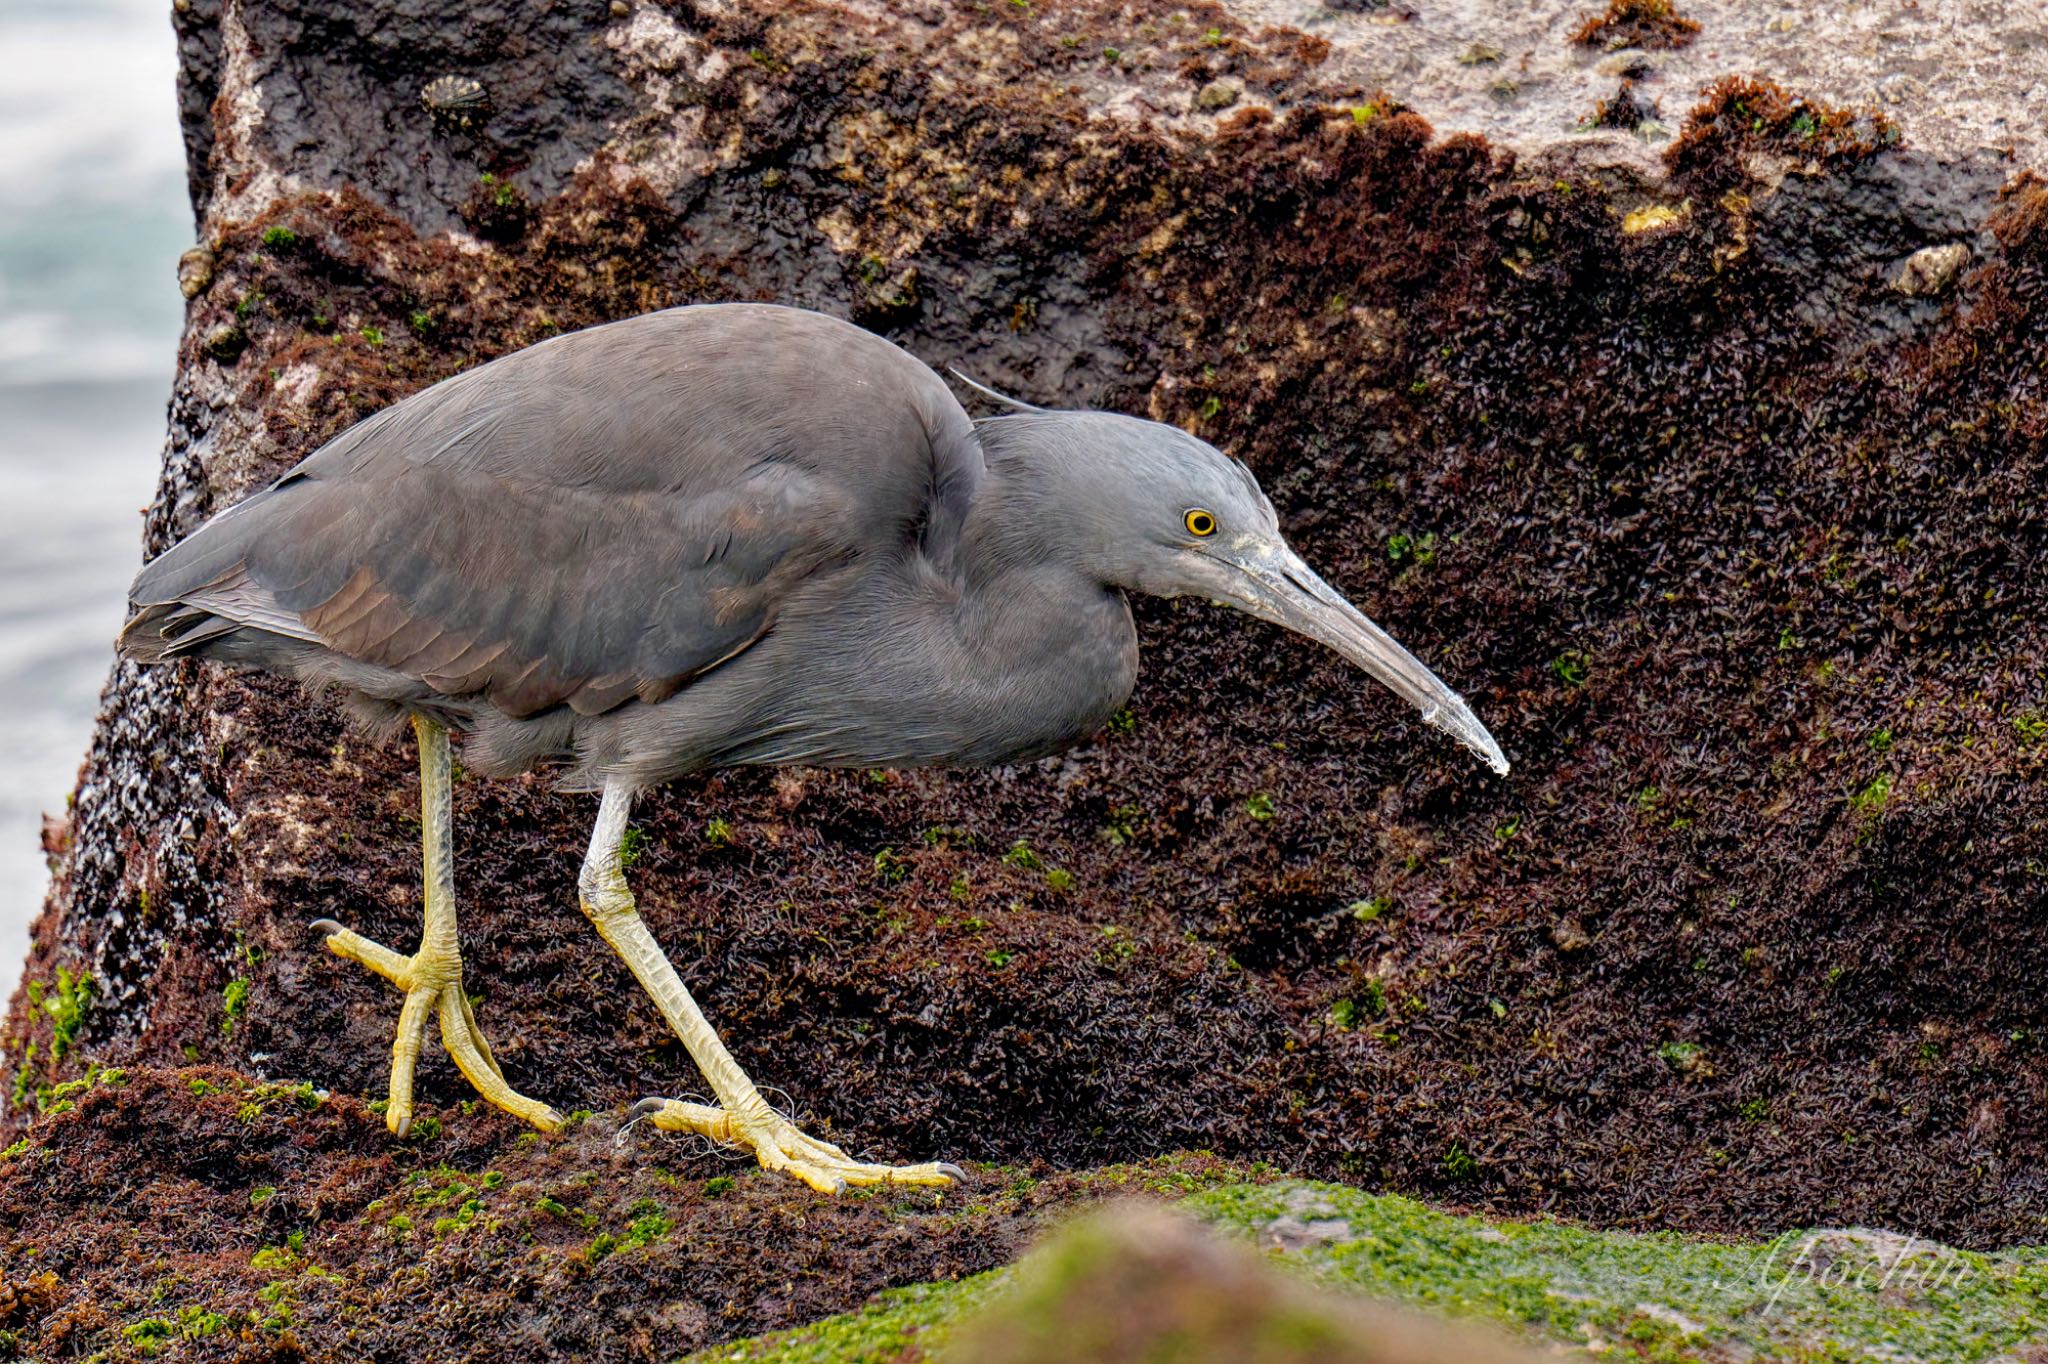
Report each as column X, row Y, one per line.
column 327, row 926
column 953, row 1172
column 646, row 1108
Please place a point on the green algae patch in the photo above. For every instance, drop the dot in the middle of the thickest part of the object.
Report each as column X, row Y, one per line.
column 1806, row 1295
column 1826, row 1294
column 917, row 1318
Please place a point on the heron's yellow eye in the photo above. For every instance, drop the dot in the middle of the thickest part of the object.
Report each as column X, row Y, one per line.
column 1200, row 522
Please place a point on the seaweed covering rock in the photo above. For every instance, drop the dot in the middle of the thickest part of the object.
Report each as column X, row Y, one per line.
column 1637, row 23
column 1738, row 548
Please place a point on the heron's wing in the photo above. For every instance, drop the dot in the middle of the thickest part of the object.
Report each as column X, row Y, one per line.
column 595, row 519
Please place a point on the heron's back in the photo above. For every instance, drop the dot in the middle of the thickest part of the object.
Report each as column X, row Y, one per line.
column 595, row 520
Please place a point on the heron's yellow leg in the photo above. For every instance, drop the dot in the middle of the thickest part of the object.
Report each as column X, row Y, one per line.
column 742, row 1117
column 432, row 977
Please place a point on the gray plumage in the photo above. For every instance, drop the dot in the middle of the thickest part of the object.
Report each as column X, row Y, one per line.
column 735, row 534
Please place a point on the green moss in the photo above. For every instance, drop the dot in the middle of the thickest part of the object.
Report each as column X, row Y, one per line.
column 18, row 1150
column 1116, row 950
column 1419, row 550
column 196, row 1322
column 57, row 1098
column 1123, row 824
column 301, row 1096
column 233, row 1001
column 890, row 867
column 888, row 1328
column 1259, row 805
column 1870, row 801
column 502, row 193
column 65, row 1004
column 150, row 1334
column 460, row 1220
column 646, row 1229
column 1815, row 1296
column 273, row 1259
column 720, row 1184
column 1683, row 1057
column 280, row 238
column 1021, row 855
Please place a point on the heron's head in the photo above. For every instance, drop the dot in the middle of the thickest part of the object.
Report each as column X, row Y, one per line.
column 1151, row 509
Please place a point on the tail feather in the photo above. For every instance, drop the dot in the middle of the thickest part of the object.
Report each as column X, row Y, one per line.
column 171, row 630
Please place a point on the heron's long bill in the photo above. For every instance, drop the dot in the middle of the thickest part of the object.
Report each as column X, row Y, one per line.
column 1274, row 584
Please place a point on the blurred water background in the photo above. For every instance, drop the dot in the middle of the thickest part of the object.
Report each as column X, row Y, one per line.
column 93, row 215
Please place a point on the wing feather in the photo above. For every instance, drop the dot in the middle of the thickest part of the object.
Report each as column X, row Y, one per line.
column 595, row 519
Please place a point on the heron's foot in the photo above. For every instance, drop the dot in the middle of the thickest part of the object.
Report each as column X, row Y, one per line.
column 432, row 984
column 779, row 1145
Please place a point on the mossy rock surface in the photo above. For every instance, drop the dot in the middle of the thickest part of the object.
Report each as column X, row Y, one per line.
column 1709, row 468
column 275, row 1221
column 1847, row 1294
column 239, row 1220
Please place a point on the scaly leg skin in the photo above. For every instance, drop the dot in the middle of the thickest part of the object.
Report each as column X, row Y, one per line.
column 743, row 1118
column 432, row 977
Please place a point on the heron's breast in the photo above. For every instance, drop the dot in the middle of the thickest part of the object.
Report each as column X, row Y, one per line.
column 956, row 680
column 1054, row 679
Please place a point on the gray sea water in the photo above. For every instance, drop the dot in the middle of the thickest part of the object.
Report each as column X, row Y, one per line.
column 92, row 217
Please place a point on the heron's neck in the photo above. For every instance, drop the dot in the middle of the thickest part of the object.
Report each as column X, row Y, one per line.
column 1022, row 519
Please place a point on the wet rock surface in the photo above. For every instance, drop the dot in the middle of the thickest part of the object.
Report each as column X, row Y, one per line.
column 1736, row 546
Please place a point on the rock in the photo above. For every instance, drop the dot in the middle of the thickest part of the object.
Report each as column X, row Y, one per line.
column 1829, row 1294
column 1645, row 24
column 1220, row 93
column 1627, row 109
column 225, row 341
column 1931, row 269
column 1569, row 935
column 1136, row 1283
column 1538, row 397
column 195, row 271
